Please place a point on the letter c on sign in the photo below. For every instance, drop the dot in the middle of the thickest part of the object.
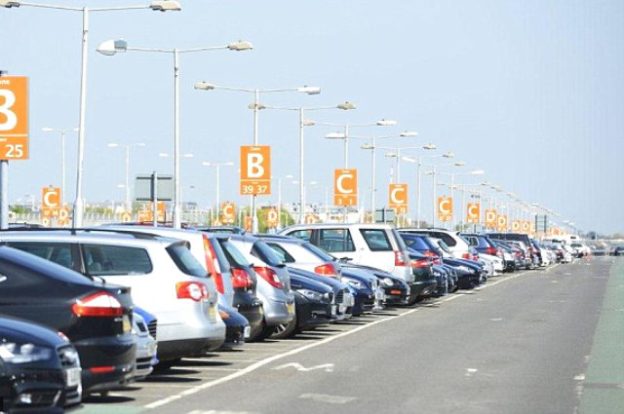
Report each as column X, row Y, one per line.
column 443, row 209
column 51, row 199
column 394, row 195
column 472, row 211
column 228, row 210
column 340, row 186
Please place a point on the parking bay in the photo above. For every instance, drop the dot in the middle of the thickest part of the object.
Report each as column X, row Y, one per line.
column 520, row 344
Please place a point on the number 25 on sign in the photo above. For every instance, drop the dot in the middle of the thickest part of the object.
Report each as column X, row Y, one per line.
column 13, row 118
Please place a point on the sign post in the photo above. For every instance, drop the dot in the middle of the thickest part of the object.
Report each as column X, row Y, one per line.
column 13, row 133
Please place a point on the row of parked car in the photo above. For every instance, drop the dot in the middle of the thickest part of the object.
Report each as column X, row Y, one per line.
column 112, row 303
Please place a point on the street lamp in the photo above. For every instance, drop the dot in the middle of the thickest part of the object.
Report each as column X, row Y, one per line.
column 345, row 106
column 62, row 131
column 127, row 150
column 162, row 5
column 218, row 166
column 256, row 106
column 345, row 135
column 373, row 147
column 112, row 47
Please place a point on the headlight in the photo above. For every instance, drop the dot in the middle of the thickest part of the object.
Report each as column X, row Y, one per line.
column 311, row 294
column 14, row 353
column 464, row 269
column 388, row 282
column 353, row 282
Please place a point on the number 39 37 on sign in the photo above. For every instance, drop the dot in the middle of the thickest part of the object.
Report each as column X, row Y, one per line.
column 13, row 118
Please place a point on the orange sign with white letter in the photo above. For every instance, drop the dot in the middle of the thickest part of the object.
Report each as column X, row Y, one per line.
column 255, row 173
column 345, row 187
column 272, row 218
column 13, row 118
column 397, row 194
column 516, row 226
column 445, row 208
column 50, row 201
column 490, row 218
column 473, row 213
column 501, row 222
column 228, row 212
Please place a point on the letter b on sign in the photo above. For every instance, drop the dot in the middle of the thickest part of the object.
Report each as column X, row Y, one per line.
column 255, row 161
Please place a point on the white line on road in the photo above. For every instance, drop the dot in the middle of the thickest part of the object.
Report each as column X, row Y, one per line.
column 301, row 368
column 326, row 398
column 261, row 363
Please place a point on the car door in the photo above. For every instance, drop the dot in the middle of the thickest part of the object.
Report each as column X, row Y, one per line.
column 337, row 241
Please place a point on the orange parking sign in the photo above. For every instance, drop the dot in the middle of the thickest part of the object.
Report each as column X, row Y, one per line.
column 490, row 218
column 345, row 187
column 255, row 173
column 397, row 195
column 50, row 201
column 501, row 222
column 473, row 213
column 228, row 212
column 445, row 208
column 13, row 118
column 272, row 218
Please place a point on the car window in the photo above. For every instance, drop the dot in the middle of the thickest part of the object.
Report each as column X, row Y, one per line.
column 282, row 253
column 415, row 242
column 234, row 256
column 473, row 241
column 376, row 239
column 322, row 254
column 336, row 240
column 185, row 261
column 302, row 234
column 59, row 253
column 399, row 240
column 263, row 252
column 221, row 258
column 102, row 260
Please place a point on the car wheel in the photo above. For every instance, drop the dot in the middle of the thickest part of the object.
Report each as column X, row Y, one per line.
column 284, row 331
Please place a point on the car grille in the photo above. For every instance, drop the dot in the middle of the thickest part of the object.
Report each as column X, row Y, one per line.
column 152, row 328
column 340, row 296
column 143, row 363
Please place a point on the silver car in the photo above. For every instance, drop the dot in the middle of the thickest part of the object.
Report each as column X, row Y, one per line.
column 145, row 350
column 273, row 282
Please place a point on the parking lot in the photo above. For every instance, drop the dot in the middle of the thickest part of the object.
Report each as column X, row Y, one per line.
column 350, row 365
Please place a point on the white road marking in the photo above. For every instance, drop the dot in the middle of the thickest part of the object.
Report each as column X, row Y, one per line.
column 261, row 363
column 326, row 398
column 301, row 368
column 496, row 319
column 579, row 377
column 470, row 372
column 221, row 412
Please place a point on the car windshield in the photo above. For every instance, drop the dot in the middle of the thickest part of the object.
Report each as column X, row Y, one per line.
column 233, row 254
column 415, row 242
column 185, row 261
column 264, row 252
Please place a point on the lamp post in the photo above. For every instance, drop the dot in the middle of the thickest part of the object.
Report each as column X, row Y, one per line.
column 161, row 5
column 418, row 162
column 373, row 147
column 217, row 166
column 452, row 187
column 303, row 122
column 112, row 47
column 256, row 106
column 62, row 132
column 127, row 150
column 433, row 174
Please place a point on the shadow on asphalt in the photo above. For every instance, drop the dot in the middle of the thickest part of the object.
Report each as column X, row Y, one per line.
column 173, row 375
column 113, row 399
column 202, row 363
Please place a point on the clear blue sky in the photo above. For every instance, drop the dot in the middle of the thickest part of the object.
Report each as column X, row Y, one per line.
column 530, row 91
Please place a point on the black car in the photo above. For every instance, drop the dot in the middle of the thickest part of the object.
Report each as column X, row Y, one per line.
column 95, row 316
column 39, row 369
column 313, row 304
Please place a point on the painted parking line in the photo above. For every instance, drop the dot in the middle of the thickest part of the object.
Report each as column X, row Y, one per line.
column 374, row 320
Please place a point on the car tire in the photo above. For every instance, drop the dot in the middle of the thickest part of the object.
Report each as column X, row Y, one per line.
column 284, row 331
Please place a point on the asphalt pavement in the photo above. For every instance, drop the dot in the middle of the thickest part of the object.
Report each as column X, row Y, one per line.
column 521, row 344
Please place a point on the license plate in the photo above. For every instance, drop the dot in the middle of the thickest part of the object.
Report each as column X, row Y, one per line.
column 334, row 310
column 72, row 377
column 152, row 348
column 291, row 308
column 126, row 325
column 342, row 309
column 247, row 332
column 212, row 313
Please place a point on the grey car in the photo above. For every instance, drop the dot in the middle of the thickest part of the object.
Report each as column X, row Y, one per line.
column 273, row 286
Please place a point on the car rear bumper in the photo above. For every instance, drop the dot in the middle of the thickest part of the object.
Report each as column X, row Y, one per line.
column 170, row 350
column 107, row 361
column 277, row 312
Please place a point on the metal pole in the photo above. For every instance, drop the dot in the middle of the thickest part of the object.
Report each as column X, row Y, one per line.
column 418, row 190
column 63, row 188
column 177, row 220
column 435, row 202
column 155, row 199
column 398, row 166
column 78, row 202
column 279, row 203
column 302, row 197
column 346, row 164
column 218, row 188
column 254, row 220
column 462, row 213
column 373, row 184
column 128, row 205
column 4, row 194
column 453, row 221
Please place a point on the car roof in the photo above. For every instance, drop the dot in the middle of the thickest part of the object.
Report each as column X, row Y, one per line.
column 125, row 238
column 333, row 225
